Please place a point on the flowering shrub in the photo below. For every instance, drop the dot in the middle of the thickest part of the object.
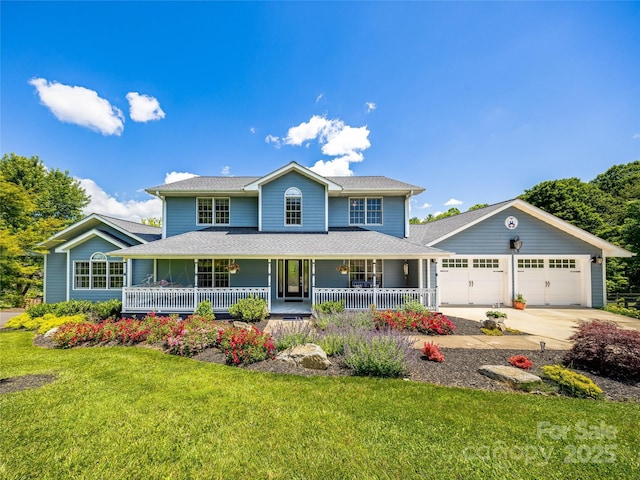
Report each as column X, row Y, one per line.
column 43, row 324
column 377, row 355
column 571, row 383
column 292, row 334
column 430, row 323
column 191, row 336
column 124, row 332
column 521, row 361
column 432, row 352
column 242, row 346
column 604, row 348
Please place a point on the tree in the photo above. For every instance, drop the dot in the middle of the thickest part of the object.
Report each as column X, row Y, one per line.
column 582, row 204
column 35, row 202
column 477, row 206
column 152, row 221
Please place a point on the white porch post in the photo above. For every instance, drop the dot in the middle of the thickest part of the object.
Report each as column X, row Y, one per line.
column 375, row 284
column 269, row 283
column 313, row 282
column 195, row 283
column 128, row 272
column 421, row 278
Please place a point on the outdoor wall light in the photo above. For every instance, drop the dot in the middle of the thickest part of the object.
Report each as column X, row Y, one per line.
column 405, row 268
column 597, row 259
column 515, row 244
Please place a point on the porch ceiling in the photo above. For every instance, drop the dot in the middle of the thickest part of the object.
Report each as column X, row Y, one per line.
column 249, row 243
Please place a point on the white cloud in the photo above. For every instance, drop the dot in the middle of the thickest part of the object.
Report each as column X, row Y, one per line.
column 272, row 139
column 319, row 97
column 637, row 135
column 226, row 171
column 80, row 106
column 336, row 139
column 171, row 177
column 425, row 205
column 143, row 108
column 435, row 214
column 252, row 129
column 134, row 210
column 370, row 106
column 453, row 201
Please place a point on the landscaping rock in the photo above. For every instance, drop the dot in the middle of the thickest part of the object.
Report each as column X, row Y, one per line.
column 244, row 325
column 50, row 333
column 510, row 375
column 493, row 323
column 308, row 355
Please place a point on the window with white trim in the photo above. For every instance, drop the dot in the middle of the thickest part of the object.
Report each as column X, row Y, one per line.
column 361, row 273
column 213, row 273
column 293, row 206
column 99, row 273
column 213, row 211
column 365, row 211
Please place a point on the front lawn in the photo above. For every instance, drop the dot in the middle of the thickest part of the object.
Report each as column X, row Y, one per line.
column 132, row 412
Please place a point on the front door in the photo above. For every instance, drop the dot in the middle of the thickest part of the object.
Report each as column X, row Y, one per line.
column 293, row 279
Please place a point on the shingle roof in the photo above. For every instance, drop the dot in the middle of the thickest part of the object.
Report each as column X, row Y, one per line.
column 248, row 242
column 146, row 232
column 231, row 184
column 426, row 233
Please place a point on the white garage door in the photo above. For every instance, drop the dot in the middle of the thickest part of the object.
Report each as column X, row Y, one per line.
column 551, row 281
column 472, row 281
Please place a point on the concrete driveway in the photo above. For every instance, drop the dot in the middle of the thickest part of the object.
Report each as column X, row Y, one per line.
column 552, row 325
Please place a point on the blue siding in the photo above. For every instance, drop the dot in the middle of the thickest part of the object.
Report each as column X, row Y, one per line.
column 597, row 292
column 313, row 206
column 181, row 214
column 244, row 211
column 393, row 271
column 393, row 218
column 56, row 280
column 83, row 253
column 253, row 273
column 538, row 237
column 328, row 277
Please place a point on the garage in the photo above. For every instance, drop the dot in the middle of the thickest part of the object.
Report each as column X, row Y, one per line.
column 552, row 280
column 473, row 281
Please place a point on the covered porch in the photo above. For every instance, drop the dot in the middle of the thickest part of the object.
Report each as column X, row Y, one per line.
column 186, row 300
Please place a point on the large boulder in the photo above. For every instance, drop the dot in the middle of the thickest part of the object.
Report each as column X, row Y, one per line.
column 308, row 355
column 510, row 375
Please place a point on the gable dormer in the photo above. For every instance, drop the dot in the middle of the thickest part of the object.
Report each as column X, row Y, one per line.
column 293, row 199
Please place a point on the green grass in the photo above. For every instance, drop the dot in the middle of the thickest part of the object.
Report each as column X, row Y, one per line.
column 130, row 413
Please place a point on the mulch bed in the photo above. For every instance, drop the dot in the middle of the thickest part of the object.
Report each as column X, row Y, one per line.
column 459, row 369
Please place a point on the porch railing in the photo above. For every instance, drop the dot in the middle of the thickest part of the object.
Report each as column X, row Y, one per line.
column 382, row 298
column 183, row 300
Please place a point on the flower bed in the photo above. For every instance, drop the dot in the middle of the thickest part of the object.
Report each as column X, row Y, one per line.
column 430, row 323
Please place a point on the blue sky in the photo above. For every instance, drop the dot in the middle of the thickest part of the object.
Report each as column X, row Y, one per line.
column 476, row 102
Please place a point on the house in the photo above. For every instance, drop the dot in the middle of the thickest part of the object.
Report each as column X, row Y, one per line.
column 296, row 239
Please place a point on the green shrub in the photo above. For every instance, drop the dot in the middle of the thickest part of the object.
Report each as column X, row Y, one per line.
column 44, row 323
column 332, row 343
column 571, row 382
column 358, row 320
column 414, row 306
column 98, row 311
column 109, row 309
column 494, row 332
column 621, row 310
column 251, row 309
column 335, row 306
column 205, row 310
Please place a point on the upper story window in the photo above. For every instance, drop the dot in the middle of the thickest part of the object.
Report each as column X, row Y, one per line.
column 98, row 273
column 293, row 206
column 213, row 211
column 365, row 211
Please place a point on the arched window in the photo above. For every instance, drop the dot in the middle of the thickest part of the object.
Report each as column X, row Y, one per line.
column 98, row 273
column 293, row 206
